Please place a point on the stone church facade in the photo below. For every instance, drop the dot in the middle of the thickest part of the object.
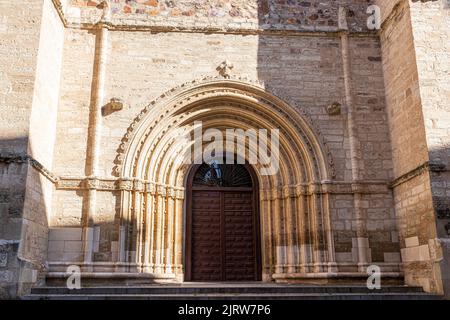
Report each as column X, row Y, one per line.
column 92, row 94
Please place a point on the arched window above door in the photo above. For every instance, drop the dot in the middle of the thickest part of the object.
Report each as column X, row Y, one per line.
column 222, row 175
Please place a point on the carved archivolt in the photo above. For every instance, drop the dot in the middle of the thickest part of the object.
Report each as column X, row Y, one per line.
column 152, row 175
column 235, row 95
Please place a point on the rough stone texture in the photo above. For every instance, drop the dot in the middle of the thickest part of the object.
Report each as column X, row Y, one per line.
column 415, row 56
column 430, row 25
column 431, row 33
column 272, row 14
column 19, row 33
column 29, row 96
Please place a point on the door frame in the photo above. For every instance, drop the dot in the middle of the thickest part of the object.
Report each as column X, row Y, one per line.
column 188, row 219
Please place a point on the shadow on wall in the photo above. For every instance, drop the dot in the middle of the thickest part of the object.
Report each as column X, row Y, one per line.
column 439, row 166
column 66, row 243
column 440, row 186
column 306, row 70
column 23, row 217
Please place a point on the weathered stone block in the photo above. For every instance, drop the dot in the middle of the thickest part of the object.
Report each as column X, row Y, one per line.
column 61, row 234
column 412, row 242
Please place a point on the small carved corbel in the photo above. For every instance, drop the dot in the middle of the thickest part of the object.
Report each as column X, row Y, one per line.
column 115, row 104
column 334, row 109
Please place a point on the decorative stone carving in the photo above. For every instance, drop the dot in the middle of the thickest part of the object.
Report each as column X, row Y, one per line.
column 225, row 69
column 126, row 184
column 334, row 109
column 138, row 185
column 180, row 194
column 69, row 184
column 91, row 183
column 115, row 104
column 200, row 93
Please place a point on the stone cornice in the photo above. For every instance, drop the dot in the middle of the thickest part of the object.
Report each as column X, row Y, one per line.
column 392, row 16
column 423, row 168
column 118, row 184
column 60, row 10
column 211, row 29
column 144, row 186
column 200, row 25
column 132, row 184
column 325, row 187
column 21, row 158
column 292, row 191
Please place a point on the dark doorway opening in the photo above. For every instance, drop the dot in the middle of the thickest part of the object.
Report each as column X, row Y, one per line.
column 222, row 224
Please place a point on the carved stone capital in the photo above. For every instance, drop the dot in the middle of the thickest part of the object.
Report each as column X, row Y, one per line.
column 91, row 183
column 138, row 185
column 151, row 188
column 171, row 193
column 126, row 184
column 161, row 190
column 180, row 194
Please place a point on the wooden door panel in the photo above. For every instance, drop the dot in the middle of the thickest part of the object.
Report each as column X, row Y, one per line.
column 239, row 236
column 223, row 236
column 206, row 242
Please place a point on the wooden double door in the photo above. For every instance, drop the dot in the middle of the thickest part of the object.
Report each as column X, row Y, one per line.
column 223, row 231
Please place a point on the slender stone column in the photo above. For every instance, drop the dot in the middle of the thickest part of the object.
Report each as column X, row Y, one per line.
column 332, row 265
column 149, row 229
column 301, row 230
column 138, row 221
column 315, row 230
column 178, row 246
column 169, row 246
column 95, row 125
column 266, row 234
column 355, row 148
column 279, row 247
column 290, row 230
column 126, row 187
column 159, row 234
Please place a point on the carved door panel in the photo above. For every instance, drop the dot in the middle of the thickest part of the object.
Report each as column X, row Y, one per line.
column 222, row 239
column 223, row 236
column 206, row 242
column 239, row 237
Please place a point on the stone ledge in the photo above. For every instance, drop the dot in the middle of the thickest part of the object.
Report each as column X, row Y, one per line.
column 425, row 167
column 91, row 18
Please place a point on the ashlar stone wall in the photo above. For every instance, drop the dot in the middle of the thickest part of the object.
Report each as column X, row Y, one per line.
column 29, row 81
column 415, row 61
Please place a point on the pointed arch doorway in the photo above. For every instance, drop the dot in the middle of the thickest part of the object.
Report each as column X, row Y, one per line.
column 222, row 224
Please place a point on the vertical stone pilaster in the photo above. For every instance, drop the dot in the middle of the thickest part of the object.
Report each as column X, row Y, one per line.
column 149, row 228
column 355, row 147
column 95, row 122
column 179, row 232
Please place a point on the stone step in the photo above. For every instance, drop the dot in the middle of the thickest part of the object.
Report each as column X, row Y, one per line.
column 224, row 289
column 230, row 291
column 238, row 296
